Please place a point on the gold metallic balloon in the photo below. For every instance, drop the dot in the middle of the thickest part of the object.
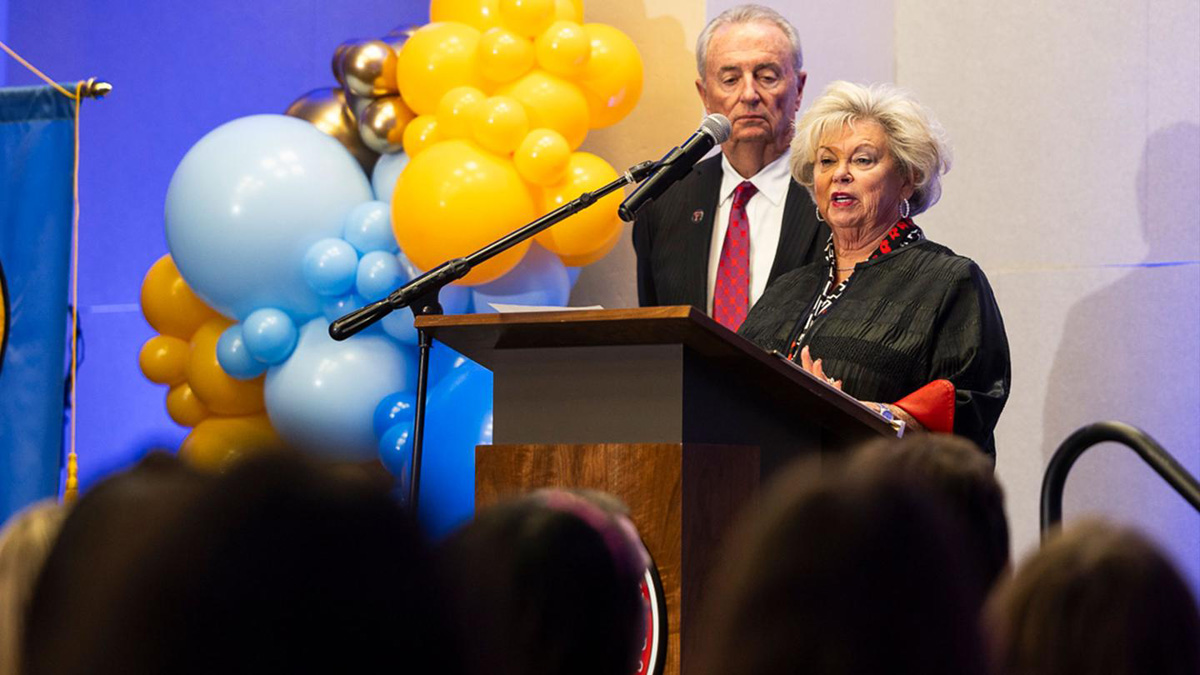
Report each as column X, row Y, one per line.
column 355, row 105
column 381, row 125
column 336, row 64
column 369, row 69
column 326, row 109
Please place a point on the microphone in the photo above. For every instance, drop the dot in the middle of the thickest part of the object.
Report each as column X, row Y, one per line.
column 714, row 130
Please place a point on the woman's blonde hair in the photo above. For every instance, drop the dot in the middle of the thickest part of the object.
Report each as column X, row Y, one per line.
column 915, row 138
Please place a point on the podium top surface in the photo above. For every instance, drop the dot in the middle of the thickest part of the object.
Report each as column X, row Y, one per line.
column 481, row 336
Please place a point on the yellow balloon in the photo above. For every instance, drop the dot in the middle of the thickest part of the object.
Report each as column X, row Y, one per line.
column 588, row 230
column 500, row 124
column 164, row 359
column 437, row 58
column 185, row 407
column 563, row 49
column 503, row 55
column 454, row 198
column 605, row 249
column 612, row 79
column 479, row 14
column 542, row 157
column 168, row 304
column 420, row 133
column 217, row 442
column 552, row 103
column 221, row 393
column 527, row 17
column 569, row 10
column 456, row 111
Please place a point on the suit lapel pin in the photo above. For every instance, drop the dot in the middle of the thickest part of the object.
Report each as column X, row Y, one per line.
column 697, row 216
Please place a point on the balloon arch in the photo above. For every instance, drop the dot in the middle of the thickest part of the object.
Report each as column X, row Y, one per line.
column 437, row 140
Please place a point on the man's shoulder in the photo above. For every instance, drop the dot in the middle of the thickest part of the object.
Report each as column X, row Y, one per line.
column 701, row 183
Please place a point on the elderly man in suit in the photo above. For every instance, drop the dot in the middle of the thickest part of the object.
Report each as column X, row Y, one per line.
column 738, row 220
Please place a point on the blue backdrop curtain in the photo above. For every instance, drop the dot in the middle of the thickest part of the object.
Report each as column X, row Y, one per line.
column 36, row 144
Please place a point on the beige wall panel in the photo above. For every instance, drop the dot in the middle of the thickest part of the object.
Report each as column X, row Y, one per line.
column 668, row 112
column 1076, row 127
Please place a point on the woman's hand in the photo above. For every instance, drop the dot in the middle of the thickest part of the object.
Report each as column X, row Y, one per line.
column 815, row 368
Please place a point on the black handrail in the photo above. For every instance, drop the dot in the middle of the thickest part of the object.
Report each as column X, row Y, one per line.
column 1139, row 441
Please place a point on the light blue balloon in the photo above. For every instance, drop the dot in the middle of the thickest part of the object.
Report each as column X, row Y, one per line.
column 387, row 172
column 323, row 399
column 336, row 308
column 369, row 228
column 270, row 335
column 330, row 267
column 459, row 417
column 234, row 358
column 247, row 202
column 573, row 274
column 539, row 279
column 399, row 325
column 379, row 273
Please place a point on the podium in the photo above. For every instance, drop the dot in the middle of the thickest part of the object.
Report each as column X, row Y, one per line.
column 661, row 406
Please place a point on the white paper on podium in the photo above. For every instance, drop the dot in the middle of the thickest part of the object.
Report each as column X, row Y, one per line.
column 510, row 309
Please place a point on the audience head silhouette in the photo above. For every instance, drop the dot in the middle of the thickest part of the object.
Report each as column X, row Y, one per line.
column 1096, row 599
column 548, row 584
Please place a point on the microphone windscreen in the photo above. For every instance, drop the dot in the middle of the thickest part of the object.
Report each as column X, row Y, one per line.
column 717, row 126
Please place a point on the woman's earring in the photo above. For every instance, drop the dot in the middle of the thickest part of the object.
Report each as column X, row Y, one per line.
column 819, row 218
column 905, row 208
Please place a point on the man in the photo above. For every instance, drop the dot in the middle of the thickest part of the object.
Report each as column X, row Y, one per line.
column 687, row 252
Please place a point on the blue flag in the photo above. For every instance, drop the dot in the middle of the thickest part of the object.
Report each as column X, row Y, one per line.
column 36, row 146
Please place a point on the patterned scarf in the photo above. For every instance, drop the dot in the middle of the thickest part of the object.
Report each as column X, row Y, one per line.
column 905, row 232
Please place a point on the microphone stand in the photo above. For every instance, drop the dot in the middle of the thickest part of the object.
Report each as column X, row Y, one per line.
column 421, row 296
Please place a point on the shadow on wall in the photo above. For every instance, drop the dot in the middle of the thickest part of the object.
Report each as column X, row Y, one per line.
column 1131, row 352
column 668, row 111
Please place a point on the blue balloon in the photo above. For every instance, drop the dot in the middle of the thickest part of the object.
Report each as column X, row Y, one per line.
column 247, row 202
column 234, row 358
column 386, row 173
column 330, row 266
column 458, row 417
column 270, row 335
column 379, row 273
column 396, row 455
column 393, row 409
column 369, row 228
column 442, row 361
column 573, row 274
column 323, row 399
column 539, row 279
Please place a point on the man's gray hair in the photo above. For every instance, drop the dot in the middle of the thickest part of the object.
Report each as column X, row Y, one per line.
column 747, row 14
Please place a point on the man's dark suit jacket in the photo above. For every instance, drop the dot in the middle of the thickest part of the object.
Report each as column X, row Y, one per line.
column 672, row 236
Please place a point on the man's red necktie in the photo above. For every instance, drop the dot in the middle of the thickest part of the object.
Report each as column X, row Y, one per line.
column 731, row 296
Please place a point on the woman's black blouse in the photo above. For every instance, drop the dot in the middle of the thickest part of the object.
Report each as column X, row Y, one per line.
column 908, row 318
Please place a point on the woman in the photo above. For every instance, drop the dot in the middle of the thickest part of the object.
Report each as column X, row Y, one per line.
column 889, row 316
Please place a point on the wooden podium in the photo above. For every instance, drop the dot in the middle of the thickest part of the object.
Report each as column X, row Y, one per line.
column 662, row 407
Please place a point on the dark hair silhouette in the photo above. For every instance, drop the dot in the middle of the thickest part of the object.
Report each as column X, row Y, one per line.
column 545, row 585
column 278, row 566
column 836, row 573
column 1095, row 600
column 955, row 472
